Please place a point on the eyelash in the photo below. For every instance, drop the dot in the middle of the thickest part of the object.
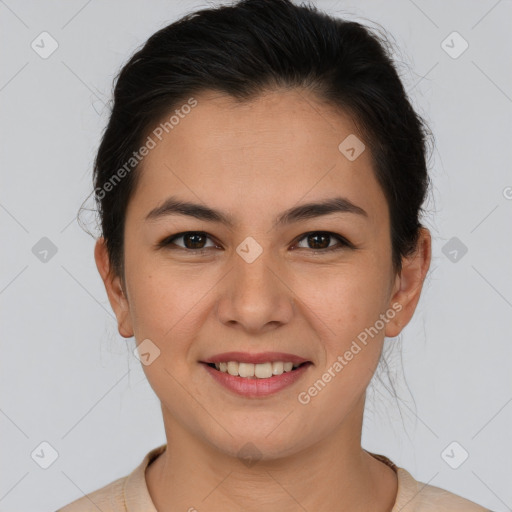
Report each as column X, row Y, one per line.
column 168, row 242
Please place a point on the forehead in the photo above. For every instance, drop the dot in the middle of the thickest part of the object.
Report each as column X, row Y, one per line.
column 278, row 148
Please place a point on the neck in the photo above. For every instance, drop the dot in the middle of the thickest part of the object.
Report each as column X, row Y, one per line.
column 334, row 473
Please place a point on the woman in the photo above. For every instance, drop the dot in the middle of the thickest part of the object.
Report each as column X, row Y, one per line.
column 260, row 185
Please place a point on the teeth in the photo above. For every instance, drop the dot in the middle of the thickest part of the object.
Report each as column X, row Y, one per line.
column 260, row 371
column 232, row 368
column 277, row 368
column 246, row 369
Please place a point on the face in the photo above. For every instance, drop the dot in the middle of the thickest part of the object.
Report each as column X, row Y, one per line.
column 260, row 274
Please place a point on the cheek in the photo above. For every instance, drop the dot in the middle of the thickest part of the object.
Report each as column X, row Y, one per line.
column 345, row 300
column 164, row 308
column 345, row 316
column 158, row 290
column 166, row 303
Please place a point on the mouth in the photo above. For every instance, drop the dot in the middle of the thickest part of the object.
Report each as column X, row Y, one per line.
column 265, row 370
column 256, row 375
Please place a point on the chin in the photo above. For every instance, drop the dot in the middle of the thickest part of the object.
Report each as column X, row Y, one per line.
column 262, row 444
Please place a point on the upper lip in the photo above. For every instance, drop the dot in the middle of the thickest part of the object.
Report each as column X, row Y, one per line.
column 261, row 357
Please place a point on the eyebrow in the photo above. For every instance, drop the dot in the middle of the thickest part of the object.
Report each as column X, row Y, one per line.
column 175, row 206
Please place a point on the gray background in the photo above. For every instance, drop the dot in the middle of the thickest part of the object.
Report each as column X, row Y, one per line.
column 70, row 380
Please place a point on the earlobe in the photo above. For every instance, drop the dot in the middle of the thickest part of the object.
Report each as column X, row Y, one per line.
column 114, row 289
column 409, row 283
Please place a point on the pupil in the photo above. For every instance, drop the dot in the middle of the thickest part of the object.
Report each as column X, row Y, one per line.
column 312, row 237
column 196, row 239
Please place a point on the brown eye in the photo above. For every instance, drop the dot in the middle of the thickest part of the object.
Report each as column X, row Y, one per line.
column 194, row 240
column 318, row 241
column 191, row 240
column 321, row 241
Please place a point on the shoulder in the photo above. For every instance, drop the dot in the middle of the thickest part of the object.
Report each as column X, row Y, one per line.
column 414, row 496
column 117, row 496
column 108, row 499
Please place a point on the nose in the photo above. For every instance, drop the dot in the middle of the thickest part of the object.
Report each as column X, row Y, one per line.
column 255, row 296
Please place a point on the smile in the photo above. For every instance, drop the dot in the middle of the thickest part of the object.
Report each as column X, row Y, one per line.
column 255, row 375
column 255, row 371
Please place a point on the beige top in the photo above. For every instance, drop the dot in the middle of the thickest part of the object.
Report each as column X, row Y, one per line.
column 130, row 494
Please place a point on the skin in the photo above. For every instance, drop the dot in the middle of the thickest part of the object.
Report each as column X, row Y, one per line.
column 253, row 161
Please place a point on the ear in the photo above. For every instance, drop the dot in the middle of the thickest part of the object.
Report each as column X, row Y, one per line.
column 408, row 284
column 114, row 288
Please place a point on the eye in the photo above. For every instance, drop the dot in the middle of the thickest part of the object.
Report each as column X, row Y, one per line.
column 192, row 241
column 320, row 240
column 196, row 242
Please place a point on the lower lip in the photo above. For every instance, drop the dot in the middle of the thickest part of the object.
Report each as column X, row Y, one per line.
column 255, row 388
